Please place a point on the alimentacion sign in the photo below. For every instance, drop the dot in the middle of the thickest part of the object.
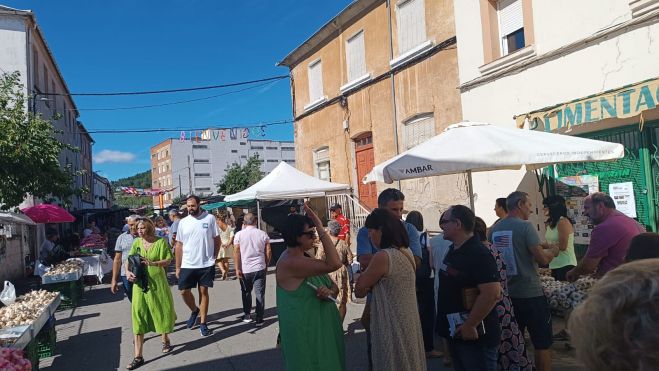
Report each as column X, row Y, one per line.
column 628, row 101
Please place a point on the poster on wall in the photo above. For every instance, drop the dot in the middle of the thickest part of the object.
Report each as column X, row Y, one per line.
column 575, row 189
column 623, row 197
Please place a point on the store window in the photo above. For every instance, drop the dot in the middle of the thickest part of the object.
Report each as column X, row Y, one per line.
column 411, row 24
column 418, row 129
column 322, row 164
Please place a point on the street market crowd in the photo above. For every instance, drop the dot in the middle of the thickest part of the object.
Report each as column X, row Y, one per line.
column 479, row 288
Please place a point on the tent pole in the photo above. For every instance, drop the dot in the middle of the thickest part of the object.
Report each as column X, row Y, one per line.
column 471, row 191
column 258, row 212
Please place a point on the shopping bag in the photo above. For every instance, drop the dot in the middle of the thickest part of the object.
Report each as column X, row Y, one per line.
column 8, row 295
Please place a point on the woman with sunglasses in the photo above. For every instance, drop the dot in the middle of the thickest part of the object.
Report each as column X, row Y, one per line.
column 309, row 322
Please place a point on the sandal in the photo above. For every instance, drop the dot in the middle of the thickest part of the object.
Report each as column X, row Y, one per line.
column 166, row 347
column 137, row 362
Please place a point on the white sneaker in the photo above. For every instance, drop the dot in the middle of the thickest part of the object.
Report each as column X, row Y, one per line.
column 247, row 319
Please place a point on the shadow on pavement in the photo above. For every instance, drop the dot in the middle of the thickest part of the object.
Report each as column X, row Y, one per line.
column 98, row 350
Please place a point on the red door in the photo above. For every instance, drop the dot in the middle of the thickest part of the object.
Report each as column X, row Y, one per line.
column 365, row 163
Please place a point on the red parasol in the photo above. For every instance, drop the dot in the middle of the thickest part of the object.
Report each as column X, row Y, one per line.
column 47, row 213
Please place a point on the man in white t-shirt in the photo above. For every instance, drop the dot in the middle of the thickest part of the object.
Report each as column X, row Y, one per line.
column 251, row 256
column 197, row 244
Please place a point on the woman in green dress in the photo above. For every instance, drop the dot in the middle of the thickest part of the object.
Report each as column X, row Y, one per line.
column 309, row 322
column 152, row 311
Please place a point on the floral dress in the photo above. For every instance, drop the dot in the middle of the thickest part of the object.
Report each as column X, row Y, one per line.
column 512, row 350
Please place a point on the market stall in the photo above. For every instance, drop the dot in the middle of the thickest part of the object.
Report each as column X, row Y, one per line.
column 285, row 183
column 29, row 324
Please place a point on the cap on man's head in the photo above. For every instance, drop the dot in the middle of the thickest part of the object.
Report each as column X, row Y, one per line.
column 336, row 207
column 173, row 212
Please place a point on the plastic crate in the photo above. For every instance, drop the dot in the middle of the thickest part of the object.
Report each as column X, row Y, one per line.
column 32, row 354
column 46, row 339
column 70, row 293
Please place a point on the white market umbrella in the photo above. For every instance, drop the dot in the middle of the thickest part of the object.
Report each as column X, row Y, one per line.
column 468, row 147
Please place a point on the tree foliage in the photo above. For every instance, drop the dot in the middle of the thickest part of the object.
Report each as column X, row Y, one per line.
column 139, row 180
column 240, row 177
column 29, row 160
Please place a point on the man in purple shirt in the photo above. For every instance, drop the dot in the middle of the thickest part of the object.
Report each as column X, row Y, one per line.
column 609, row 240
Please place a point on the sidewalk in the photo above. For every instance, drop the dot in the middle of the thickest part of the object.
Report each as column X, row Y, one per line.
column 97, row 335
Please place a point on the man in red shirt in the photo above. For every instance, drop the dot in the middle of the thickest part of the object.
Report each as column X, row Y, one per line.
column 337, row 214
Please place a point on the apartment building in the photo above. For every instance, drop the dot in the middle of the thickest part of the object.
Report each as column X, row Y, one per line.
column 197, row 166
column 24, row 49
column 103, row 193
column 586, row 68
column 377, row 79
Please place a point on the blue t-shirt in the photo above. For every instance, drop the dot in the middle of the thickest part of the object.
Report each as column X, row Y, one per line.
column 365, row 246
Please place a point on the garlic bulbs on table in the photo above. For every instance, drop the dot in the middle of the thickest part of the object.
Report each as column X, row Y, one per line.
column 565, row 295
column 66, row 267
column 26, row 309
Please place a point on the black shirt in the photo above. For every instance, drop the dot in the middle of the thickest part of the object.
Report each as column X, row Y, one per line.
column 466, row 267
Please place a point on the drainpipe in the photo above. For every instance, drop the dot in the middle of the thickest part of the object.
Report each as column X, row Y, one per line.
column 393, row 83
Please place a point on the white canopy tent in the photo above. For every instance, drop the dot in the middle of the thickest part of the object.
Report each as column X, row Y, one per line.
column 474, row 146
column 286, row 182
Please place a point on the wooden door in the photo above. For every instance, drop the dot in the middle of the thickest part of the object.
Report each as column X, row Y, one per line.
column 365, row 159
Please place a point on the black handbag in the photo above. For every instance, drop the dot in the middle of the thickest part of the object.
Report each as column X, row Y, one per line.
column 136, row 267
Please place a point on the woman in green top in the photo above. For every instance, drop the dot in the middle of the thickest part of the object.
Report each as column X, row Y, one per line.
column 309, row 323
column 152, row 311
column 559, row 232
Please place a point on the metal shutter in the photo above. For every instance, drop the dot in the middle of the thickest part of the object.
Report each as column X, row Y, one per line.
column 511, row 17
column 315, row 81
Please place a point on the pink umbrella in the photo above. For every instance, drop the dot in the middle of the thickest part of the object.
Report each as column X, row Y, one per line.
column 47, row 213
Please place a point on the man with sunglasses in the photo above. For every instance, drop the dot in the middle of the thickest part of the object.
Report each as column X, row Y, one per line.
column 469, row 289
column 251, row 255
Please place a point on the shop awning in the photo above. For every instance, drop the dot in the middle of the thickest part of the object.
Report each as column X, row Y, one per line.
column 627, row 101
column 9, row 217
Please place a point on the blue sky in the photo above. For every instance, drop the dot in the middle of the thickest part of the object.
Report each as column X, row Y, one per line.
column 128, row 45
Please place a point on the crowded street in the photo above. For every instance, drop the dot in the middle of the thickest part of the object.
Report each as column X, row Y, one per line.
column 345, row 185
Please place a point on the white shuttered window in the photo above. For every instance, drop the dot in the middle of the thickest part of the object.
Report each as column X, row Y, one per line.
column 411, row 24
column 315, row 81
column 418, row 130
column 511, row 25
column 355, row 57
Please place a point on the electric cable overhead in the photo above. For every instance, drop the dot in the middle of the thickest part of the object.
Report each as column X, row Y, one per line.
column 147, row 92
column 176, row 102
column 188, row 129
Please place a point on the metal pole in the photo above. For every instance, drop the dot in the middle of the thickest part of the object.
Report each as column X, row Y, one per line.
column 258, row 213
column 471, row 191
column 180, row 185
column 393, row 83
column 189, row 177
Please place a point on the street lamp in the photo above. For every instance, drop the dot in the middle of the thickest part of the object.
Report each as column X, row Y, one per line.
column 36, row 98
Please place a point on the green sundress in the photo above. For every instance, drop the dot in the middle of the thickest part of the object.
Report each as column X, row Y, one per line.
column 311, row 331
column 153, row 311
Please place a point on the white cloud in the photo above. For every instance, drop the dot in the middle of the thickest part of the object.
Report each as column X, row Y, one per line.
column 107, row 155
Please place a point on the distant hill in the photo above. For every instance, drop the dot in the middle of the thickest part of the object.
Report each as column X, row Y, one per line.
column 140, row 180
